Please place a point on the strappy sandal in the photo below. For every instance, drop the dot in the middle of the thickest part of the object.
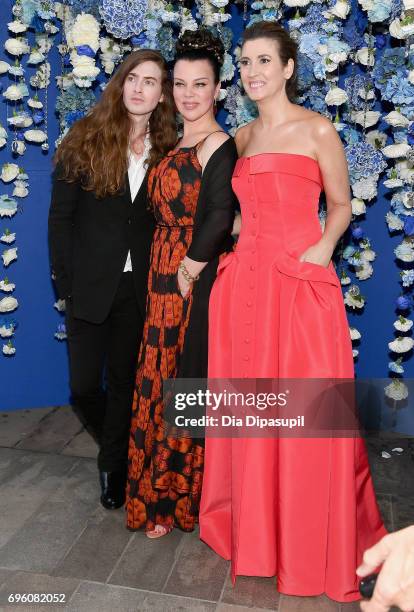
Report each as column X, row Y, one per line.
column 159, row 531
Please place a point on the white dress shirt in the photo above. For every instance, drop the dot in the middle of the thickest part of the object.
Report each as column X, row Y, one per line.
column 137, row 169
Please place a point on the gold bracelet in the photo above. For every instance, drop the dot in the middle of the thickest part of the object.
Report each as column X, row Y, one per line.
column 186, row 274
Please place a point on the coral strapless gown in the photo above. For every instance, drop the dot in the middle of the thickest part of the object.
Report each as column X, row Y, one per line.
column 303, row 510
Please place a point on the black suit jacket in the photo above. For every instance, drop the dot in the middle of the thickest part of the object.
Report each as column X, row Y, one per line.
column 89, row 240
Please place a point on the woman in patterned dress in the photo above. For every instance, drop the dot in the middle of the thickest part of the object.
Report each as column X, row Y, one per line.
column 194, row 205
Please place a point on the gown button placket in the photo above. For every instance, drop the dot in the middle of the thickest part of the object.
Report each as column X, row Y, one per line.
column 251, row 279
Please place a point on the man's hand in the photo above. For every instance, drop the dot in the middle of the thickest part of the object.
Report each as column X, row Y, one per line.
column 395, row 583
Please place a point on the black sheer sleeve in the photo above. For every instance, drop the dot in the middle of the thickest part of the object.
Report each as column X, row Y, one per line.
column 62, row 211
column 216, row 205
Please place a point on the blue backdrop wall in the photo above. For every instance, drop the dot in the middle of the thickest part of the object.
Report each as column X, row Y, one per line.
column 37, row 374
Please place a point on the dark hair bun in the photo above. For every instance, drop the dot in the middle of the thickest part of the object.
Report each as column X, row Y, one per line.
column 200, row 41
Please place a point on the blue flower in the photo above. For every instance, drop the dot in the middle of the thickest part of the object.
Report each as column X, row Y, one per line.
column 139, row 41
column 123, row 20
column 357, row 232
column 396, row 367
column 351, row 135
column 38, row 117
column 37, row 23
column 355, row 83
column 381, row 41
column 305, row 72
column 410, row 134
column 380, row 11
column 348, row 251
column 353, row 32
column 314, row 19
column 402, row 303
column 73, row 116
column 166, row 43
column 364, row 160
column 409, row 226
column 396, row 8
column 85, row 50
column 407, row 277
column 85, row 6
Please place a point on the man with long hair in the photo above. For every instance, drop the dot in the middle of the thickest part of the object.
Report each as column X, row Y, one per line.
column 100, row 233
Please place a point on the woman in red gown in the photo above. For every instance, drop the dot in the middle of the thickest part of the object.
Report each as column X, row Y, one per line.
column 303, row 510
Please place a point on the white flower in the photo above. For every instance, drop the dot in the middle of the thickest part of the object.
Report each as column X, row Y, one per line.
column 41, row 79
column 3, row 141
column 403, row 324
column 4, row 67
column 396, row 119
column 358, row 207
column 405, row 171
column 366, row 94
column 396, row 390
column 13, row 93
column 368, row 118
column 345, row 280
column 396, row 150
column 352, row 300
column 60, row 305
column 8, row 304
column 366, row 189
column 33, row 103
column 85, row 31
column 354, row 333
column 8, row 238
column 86, row 71
column 364, row 272
column 35, row 135
column 393, row 183
column 365, row 56
column 411, row 77
column 376, row 138
column 20, row 190
column 7, row 287
column 9, row 172
column 8, row 350
column 293, row 3
column 402, row 344
column 355, row 353
column 20, row 120
column 336, row 96
column 408, row 5
column 8, row 256
column 19, row 147
column 404, row 251
column 16, row 46
column 17, row 27
column 340, row 9
column 394, row 223
column 6, row 332
column 368, row 255
column 401, row 31
column 36, row 57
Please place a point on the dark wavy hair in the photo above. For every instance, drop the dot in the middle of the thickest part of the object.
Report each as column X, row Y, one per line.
column 287, row 48
column 95, row 148
column 201, row 44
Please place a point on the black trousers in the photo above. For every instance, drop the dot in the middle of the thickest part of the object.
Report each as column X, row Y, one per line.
column 102, row 366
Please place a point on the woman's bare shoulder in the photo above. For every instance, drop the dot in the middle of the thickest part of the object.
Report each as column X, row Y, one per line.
column 243, row 136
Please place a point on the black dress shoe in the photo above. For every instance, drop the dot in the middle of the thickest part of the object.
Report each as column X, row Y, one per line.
column 113, row 489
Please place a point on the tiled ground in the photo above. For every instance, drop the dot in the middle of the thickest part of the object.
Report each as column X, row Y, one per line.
column 56, row 538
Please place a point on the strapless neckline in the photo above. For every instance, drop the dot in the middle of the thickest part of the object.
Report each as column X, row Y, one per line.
column 279, row 153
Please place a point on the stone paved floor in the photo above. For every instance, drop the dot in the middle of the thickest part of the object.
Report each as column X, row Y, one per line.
column 56, row 538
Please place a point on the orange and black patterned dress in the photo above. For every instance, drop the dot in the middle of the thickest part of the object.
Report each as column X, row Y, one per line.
column 194, row 213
